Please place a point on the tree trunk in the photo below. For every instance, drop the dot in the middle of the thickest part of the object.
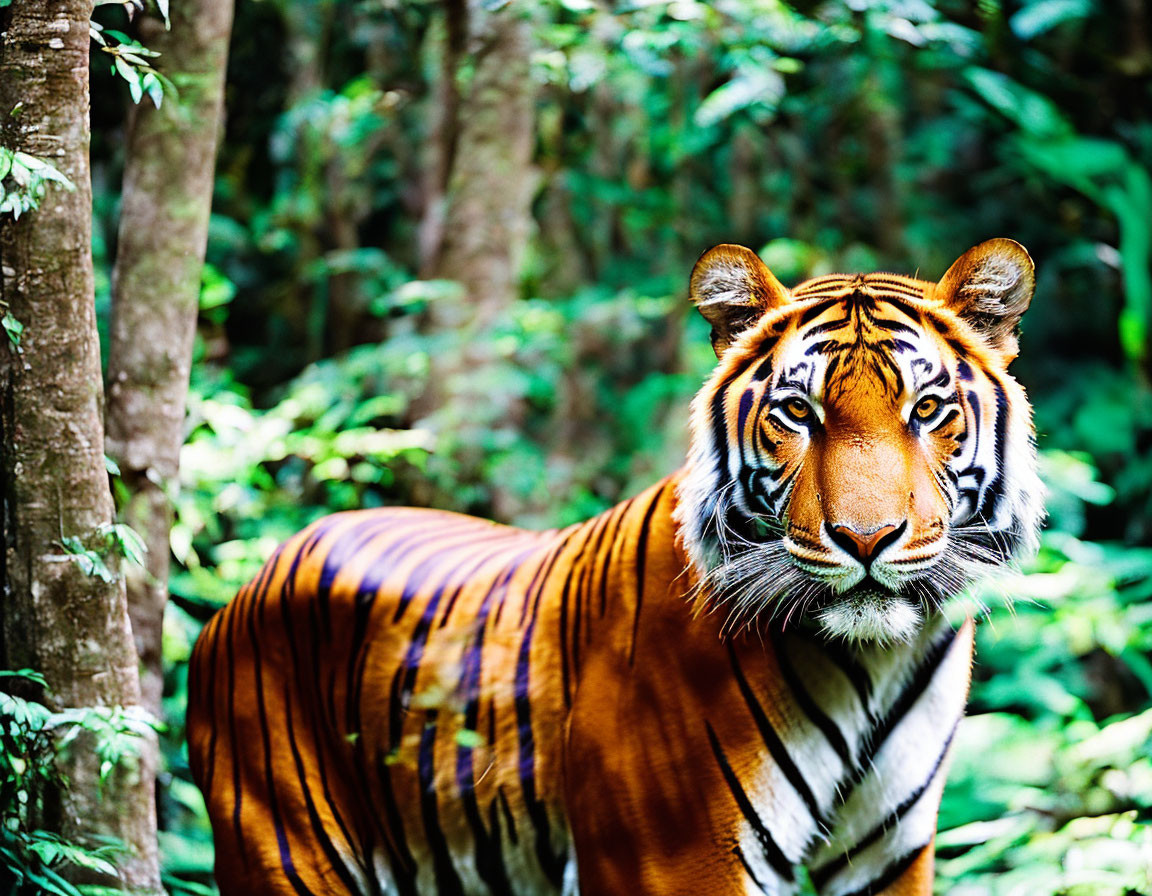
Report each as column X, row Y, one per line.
column 490, row 189
column 155, row 294
column 444, row 133
column 57, row 618
column 485, row 231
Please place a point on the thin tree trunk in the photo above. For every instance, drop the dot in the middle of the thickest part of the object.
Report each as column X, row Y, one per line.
column 443, row 135
column 155, row 294
column 68, row 624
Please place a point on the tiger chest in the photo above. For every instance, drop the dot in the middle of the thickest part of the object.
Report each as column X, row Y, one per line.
column 853, row 761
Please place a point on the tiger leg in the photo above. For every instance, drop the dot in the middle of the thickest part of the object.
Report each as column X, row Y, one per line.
column 648, row 814
column 283, row 813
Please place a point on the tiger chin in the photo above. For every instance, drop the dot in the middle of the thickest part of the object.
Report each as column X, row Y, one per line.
column 741, row 671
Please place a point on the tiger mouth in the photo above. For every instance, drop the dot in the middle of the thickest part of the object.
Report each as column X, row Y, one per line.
column 868, row 611
column 865, row 594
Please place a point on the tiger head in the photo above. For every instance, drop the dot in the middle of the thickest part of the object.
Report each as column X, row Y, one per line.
column 860, row 452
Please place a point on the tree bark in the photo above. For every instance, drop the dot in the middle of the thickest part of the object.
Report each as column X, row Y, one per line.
column 443, row 135
column 485, row 231
column 68, row 624
column 155, row 294
column 490, row 189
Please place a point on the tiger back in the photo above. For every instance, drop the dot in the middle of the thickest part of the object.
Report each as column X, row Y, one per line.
column 741, row 671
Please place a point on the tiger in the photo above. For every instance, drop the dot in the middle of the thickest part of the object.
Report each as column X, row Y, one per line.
column 741, row 681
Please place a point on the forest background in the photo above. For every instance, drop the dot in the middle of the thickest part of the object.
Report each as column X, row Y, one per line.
column 446, row 264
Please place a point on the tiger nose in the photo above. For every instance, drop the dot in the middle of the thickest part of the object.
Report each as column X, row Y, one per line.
column 865, row 546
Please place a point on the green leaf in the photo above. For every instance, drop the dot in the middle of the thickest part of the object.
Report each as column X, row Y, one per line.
column 129, row 543
column 1042, row 16
column 1032, row 112
column 154, row 87
column 468, row 738
column 130, row 75
column 13, row 328
column 757, row 86
column 90, row 562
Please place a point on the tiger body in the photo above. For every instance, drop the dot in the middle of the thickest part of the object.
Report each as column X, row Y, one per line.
column 740, row 671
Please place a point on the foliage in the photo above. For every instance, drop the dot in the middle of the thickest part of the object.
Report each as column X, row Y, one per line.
column 109, row 539
column 1052, row 783
column 130, row 61
column 31, row 735
column 27, row 179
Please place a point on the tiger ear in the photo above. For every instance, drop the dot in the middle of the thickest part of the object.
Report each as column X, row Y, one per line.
column 990, row 287
column 732, row 288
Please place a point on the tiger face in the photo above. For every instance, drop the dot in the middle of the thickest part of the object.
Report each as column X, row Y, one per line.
column 861, row 451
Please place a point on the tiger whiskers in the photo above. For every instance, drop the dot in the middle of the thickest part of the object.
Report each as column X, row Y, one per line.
column 754, row 579
column 750, row 577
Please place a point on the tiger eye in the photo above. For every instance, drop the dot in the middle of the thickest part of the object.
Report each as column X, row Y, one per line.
column 796, row 409
column 926, row 408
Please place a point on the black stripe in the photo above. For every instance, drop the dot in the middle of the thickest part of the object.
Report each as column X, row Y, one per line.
column 392, row 831
column 948, row 417
column 890, row 873
column 551, row 863
column 433, row 563
column 892, row 325
column 287, row 599
column 340, row 554
column 739, row 853
column 250, row 593
column 489, row 851
column 995, row 490
column 773, row 497
column 208, row 696
column 370, row 584
column 742, row 413
column 774, row 744
column 641, row 563
column 921, row 678
column 447, row 880
column 256, row 607
column 720, row 429
column 772, row 853
column 830, row 326
column 853, row 670
column 318, row 831
column 885, row 289
column 399, row 856
column 826, row 345
column 808, row 705
column 565, row 683
column 587, row 559
column 826, row 283
column 763, row 370
column 614, row 545
column 509, row 818
column 828, row 870
column 816, row 310
column 365, row 837
column 404, row 679
column 903, row 307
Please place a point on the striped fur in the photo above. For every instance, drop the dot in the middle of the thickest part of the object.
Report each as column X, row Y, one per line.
column 695, row 692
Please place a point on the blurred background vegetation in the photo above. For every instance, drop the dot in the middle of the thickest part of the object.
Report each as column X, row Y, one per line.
column 876, row 134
